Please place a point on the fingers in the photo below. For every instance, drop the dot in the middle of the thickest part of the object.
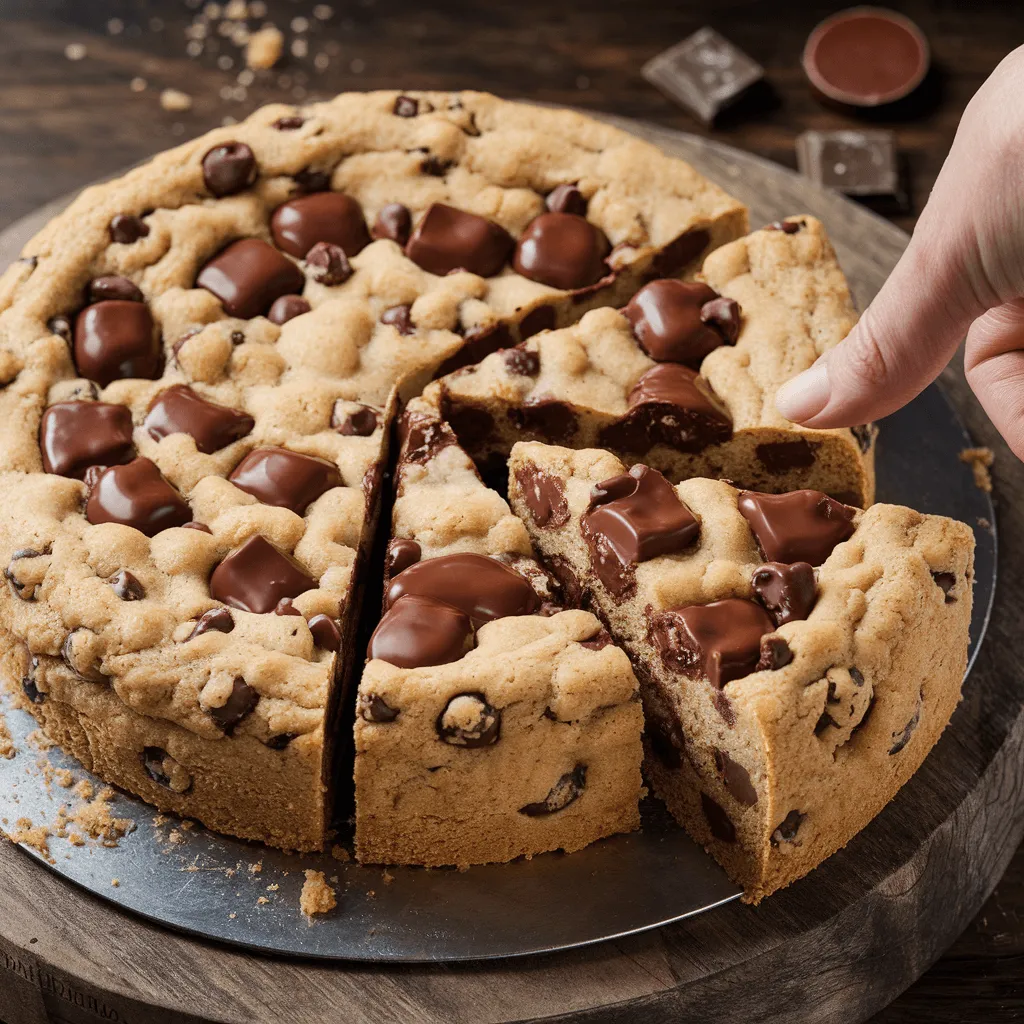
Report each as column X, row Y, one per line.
column 994, row 362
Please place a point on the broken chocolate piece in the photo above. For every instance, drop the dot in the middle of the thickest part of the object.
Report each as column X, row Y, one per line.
column 858, row 163
column 718, row 820
column 469, row 721
column 801, row 526
column 544, row 495
column 418, row 631
column 787, row 591
column 240, row 704
column 565, row 791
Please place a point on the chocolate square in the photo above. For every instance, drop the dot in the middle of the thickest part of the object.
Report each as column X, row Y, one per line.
column 858, row 163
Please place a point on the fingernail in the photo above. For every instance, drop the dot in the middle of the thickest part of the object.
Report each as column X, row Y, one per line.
column 806, row 395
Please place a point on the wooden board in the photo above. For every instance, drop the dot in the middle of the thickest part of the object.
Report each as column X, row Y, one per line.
column 835, row 947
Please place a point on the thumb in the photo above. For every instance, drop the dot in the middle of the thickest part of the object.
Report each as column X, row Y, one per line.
column 902, row 342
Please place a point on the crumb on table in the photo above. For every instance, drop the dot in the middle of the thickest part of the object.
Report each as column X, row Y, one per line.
column 175, row 100
column 317, row 896
column 7, row 747
column 264, row 47
column 980, row 460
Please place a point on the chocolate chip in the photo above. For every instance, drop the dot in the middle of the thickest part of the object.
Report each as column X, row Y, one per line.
column 115, row 339
column 469, row 721
column 255, row 576
column 240, row 704
column 281, row 740
column 562, row 250
column 801, row 526
column 126, row 229
column 127, row 586
column 237, row 337
column 544, row 496
column 402, row 552
column 180, row 410
column 566, row 199
column 61, row 326
column 393, row 222
column 902, row 738
column 666, row 739
column 136, row 495
column 328, row 263
column 782, row 456
column 26, row 591
column 680, row 253
column 423, row 437
column 218, row 620
column 946, row 581
column 81, row 662
column 668, row 322
column 724, row 315
column 332, row 217
column 289, row 123
column 406, row 106
column 76, row 435
column 788, row 828
column 542, row 318
column 165, row 771
column 788, row 227
column 787, row 591
column 718, row 820
column 400, row 318
column 286, row 607
column 735, row 778
column 521, row 361
column 28, row 684
column 114, row 287
column 374, row 708
column 229, row 168
column 418, row 631
column 565, row 791
column 775, row 654
column 311, row 180
column 326, row 634
column 447, row 239
column 276, row 476
column 286, row 308
column 435, row 165
column 248, row 276
column 360, row 421
column 865, row 434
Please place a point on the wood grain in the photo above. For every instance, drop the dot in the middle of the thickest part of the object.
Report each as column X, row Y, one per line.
column 836, row 947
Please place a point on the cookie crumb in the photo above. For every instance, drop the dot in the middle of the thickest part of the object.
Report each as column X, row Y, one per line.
column 264, row 47
column 255, row 869
column 75, row 51
column 65, row 778
column 40, row 740
column 175, row 99
column 317, row 896
column 388, row 877
column 138, row 84
column 84, row 790
column 262, row 900
column 7, row 747
column 980, row 460
column 340, row 853
column 35, row 836
column 116, row 883
column 96, row 821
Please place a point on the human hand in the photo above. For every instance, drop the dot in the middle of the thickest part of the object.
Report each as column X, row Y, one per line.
column 963, row 272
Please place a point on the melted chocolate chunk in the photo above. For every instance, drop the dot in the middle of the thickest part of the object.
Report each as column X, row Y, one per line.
column 775, row 654
column 599, row 641
column 782, row 456
column 720, row 641
column 76, row 435
column 423, row 437
column 540, row 319
column 114, row 339
column 548, row 419
column 114, row 287
column 406, row 106
column 309, row 179
column 286, row 607
column 801, row 526
column 562, row 250
column 329, row 264
column 299, row 224
column 565, row 791
column 946, row 581
column 286, row 479
column 480, row 342
column 566, row 199
column 788, row 227
column 522, row 362
column 399, row 317
column 787, row 591
column 127, row 586
column 480, row 587
column 393, row 222
column 248, row 276
column 544, row 495
column 418, row 631
column 469, row 721
column 447, row 239
column 136, row 495
column 180, row 410
column 735, row 778
column 126, row 229
column 240, row 704
column 359, row 422
column 255, row 576
column 326, row 632
column 681, row 321
column 666, row 739
column 218, row 620
column 229, row 168
column 718, row 820
column 289, row 123
column 788, row 828
column 402, row 552
column 374, row 708
column 680, row 253
column 286, row 308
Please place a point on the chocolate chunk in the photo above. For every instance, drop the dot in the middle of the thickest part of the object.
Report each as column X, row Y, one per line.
column 782, row 456
column 787, row 227
column 418, row 631
column 548, row 419
column 115, row 339
column 902, row 738
column 718, row 820
column 76, row 435
column 326, row 632
column 775, row 654
column 436, row 166
column 299, row 224
column 801, row 526
column 240, row 704
column 248, row 276
column 402, row 552
column 281, row 740
column 599, row 641
column 521, row 361
column 681, row 321
column 113, row 286
column 633, row 518
column 735, row 778
column 423, row 437
column 540, row 319
column 469, row 721
column 136, row 495
column 358, row 422
column 393, row 222
column 544, row 495
column 447, row 239
column 562, row 250
column 201, row 527
column 666, row 739
column 24, row 590
column 472, row 424
column 286, row 607
column 481, row 341
column 289, row 123
column 566, row 199
column 309, row 179
column 165, row 771
column 329, row 264
column 565, row 791
column 219, row 620
column 946, row 581
column 482, row 588
column 859, row 163
column 399, row 317
column 61, row 326
column 720, row 641
column 255, row 576
column 286, row 308
column 680, row 253
column 788, row 828
column 28, row 684
column 180, row 410
column 374, row 708
column 126, row 229
column 127, row 586
column 406, row 106
column 229, row 168
column 787, row 591
column 704, row 73
column 865, row 434
column 286, row 479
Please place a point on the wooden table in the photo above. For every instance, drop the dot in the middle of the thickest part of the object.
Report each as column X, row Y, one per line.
column 66, row 122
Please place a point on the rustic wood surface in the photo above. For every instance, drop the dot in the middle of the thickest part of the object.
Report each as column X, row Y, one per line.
column 64, row 123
